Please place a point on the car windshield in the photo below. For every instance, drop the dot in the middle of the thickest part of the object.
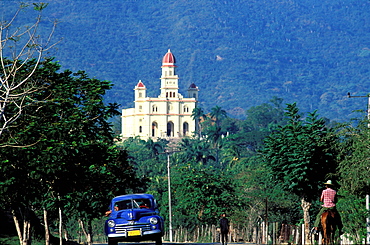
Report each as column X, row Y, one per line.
column 132, row 204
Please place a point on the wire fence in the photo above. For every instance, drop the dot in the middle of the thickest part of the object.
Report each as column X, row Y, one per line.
column 276, row 234
column 273, row 233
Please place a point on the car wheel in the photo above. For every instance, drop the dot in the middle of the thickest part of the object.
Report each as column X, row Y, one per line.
column 110, row 242
column 158, row 241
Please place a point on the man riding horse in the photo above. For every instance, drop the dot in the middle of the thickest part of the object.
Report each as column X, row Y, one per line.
column 329, row 198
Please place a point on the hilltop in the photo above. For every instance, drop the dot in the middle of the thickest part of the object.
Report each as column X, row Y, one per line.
column 240, row 53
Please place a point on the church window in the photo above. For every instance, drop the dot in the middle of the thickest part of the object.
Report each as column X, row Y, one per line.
column 140, row 95
column 186, row 109
column 140, row 129
column 170, row 73
column 154, row 108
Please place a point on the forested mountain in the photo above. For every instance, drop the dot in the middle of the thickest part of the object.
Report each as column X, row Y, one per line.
column 240, row 53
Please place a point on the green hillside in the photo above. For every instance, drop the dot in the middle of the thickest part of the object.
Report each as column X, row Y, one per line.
column 240, row 53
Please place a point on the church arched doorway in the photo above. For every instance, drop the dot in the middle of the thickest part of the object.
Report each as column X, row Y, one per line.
column 154, row 129
column 185, row 129
column 170, row 129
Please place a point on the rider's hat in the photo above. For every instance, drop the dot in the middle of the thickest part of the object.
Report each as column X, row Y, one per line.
column 328, row 182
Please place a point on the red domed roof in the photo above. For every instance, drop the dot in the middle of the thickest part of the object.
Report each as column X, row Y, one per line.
column 168, row 58
column 140, row 84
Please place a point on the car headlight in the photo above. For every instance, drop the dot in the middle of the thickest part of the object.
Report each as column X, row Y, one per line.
column 111, row 223
column 153, row 220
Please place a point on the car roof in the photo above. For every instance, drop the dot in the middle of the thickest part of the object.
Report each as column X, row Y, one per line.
column 132, row 196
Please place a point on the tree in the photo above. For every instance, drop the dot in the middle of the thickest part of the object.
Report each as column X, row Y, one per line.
column 201, row 194
column 266, row 116
column 146, row 156
column 213, row 129
column 217, row 114
column 300, row 156
column 22, row 44
column 248, row 134
column 355, row 163
column 195, row 150
column 215, row 137
column 69, row 160
column 353, row 172
column 198, row 115
column 261, row 197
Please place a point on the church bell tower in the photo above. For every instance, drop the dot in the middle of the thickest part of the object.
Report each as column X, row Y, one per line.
column 169, row 79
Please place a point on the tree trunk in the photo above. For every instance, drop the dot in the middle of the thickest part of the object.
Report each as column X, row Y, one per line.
column 47, row 232
column 17, row 227
column 306, row 217
column 88, row 232
column 24, row 237
column 26, row 231
column 60, row 227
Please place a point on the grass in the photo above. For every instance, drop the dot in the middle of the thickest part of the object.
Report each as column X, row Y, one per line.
column 14, row 240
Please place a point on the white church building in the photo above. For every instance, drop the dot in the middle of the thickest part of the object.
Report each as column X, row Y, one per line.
column 168, row 115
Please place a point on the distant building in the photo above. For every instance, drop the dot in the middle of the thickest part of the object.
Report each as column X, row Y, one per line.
column 168, row 115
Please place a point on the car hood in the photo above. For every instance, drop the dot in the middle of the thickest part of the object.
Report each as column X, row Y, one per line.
column 132, row 214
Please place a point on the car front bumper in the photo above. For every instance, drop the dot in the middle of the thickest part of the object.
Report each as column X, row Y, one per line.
column 143, row 234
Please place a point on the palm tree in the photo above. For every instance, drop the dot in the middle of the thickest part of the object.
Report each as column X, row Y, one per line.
column 155, row 147
column 214, row 136
column 198, row 115
column 217, row 114
column 196, row 150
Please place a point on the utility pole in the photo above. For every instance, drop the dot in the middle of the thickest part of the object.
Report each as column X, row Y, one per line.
column 266, row 224
column 169, row 197
column 168, row 153
column 367, row 195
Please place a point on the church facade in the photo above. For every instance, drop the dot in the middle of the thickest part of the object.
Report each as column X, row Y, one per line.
column 168, row 115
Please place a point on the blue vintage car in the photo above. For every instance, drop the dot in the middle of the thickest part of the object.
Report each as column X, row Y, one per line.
column 134, row 218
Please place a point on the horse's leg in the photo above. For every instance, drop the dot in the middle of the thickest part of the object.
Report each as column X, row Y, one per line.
column 323, row 226
column 333, row 225
column 323, row 240
column 330, row 226
column 324, row 219
column 333, row 222
column 329, row 231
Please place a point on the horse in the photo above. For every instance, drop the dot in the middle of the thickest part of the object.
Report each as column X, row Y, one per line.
column 329, row 226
